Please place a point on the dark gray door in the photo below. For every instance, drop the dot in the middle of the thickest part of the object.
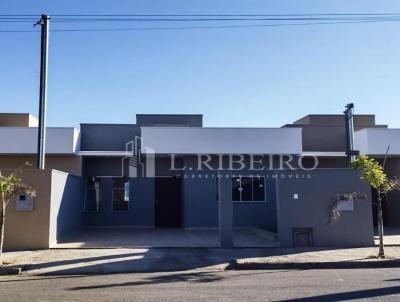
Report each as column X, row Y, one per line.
column 168, row 202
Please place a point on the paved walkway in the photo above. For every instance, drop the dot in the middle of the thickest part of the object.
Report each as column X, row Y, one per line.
column 138, row 238
column 392, row 236
column 101, row 261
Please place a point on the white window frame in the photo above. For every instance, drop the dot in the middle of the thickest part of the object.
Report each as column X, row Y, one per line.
column 252, row 188
column 126, row 183
column 97, row 196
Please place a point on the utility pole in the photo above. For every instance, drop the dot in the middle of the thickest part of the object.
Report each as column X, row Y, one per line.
column 44, row 45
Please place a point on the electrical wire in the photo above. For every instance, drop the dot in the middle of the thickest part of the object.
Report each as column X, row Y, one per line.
column 289, row 20
column 195, row 27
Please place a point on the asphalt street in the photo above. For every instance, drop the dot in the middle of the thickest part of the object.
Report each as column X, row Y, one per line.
column 196, row 285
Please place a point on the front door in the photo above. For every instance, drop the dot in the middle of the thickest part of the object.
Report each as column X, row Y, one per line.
column 168, row 202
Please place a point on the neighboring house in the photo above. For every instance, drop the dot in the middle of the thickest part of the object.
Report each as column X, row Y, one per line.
column 324, row 135
column 163, row 172
column 18, row 136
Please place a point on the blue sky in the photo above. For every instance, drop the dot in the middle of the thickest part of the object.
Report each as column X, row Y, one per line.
column 236, row 77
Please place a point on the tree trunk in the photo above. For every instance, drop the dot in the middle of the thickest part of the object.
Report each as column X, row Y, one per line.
column 2, row 225
column 381, row 253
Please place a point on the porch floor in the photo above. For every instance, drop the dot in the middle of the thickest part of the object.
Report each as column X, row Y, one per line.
column 134, row 238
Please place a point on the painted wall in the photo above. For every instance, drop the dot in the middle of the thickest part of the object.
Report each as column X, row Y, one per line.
column 142, row 195
column 376, row 141
column 30, row 230
column 57, row 210
column 311, row 209
column 187, row 120
column 199, row 201
column 259, row 214
column 66, row 213
column 69, row 164
column 195, row 140
column 393, row 200
column 199, row 198
column 327, row 132
column 107, row 137
column 200, row 206
column 141, row 205
column 23, row 140
column 18, row 120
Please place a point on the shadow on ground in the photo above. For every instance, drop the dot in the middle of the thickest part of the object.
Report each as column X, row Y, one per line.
column 351, row 295
column 111, row 261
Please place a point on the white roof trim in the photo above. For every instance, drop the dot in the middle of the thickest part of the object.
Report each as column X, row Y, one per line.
column 196, row 140
column 324, row 154
column 103, row 153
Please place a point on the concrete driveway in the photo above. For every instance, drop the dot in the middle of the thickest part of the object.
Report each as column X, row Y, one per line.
column 138, row 238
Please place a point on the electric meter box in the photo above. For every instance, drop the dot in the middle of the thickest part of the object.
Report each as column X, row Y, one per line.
column 24, row 203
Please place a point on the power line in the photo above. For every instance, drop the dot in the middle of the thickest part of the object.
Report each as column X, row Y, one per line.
column 215, row 19
column 198, row 27
column 201, row 18
column 203, row 15
column 191, row 19
column 288, row 20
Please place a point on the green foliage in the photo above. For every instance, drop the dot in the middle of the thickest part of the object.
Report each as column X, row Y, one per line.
column 373, row 173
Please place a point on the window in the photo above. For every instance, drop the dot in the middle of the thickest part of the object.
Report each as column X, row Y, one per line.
column 248, row 188
column 92, row 194
column 120, row 194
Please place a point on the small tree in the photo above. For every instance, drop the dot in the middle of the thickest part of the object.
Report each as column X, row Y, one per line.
column 374, row 174
column 10, row 186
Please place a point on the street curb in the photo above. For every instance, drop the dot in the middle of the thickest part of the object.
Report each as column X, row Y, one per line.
column 6, row 270
column 234, row 265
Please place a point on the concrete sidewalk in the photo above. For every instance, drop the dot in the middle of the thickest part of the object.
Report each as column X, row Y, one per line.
column 107, row 261
column 391, row 238
column 132, row 238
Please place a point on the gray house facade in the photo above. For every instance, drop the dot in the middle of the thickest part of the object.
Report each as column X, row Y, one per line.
column 169, row 171
column 188, row 195
column 186, row 161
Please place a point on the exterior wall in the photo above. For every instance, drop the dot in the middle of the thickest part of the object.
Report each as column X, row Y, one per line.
column 66, row 213
column 199, row 197
column 258, row 214
column 57, row 210
column 199, row 201
column 107, row 137
column 141, row 205
column 393, row 200
column 17, row 120
column 200, row 206
column 187, row 120
column 324, row 138
column 30, row 230
column 195, row 140
column 142, row 195
column 328, row 162
column 328, row 133
column 311, row 209
column 360, row 120
column 23, row 140
column 376, row 141
column 69, row 164
column 102, row 166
